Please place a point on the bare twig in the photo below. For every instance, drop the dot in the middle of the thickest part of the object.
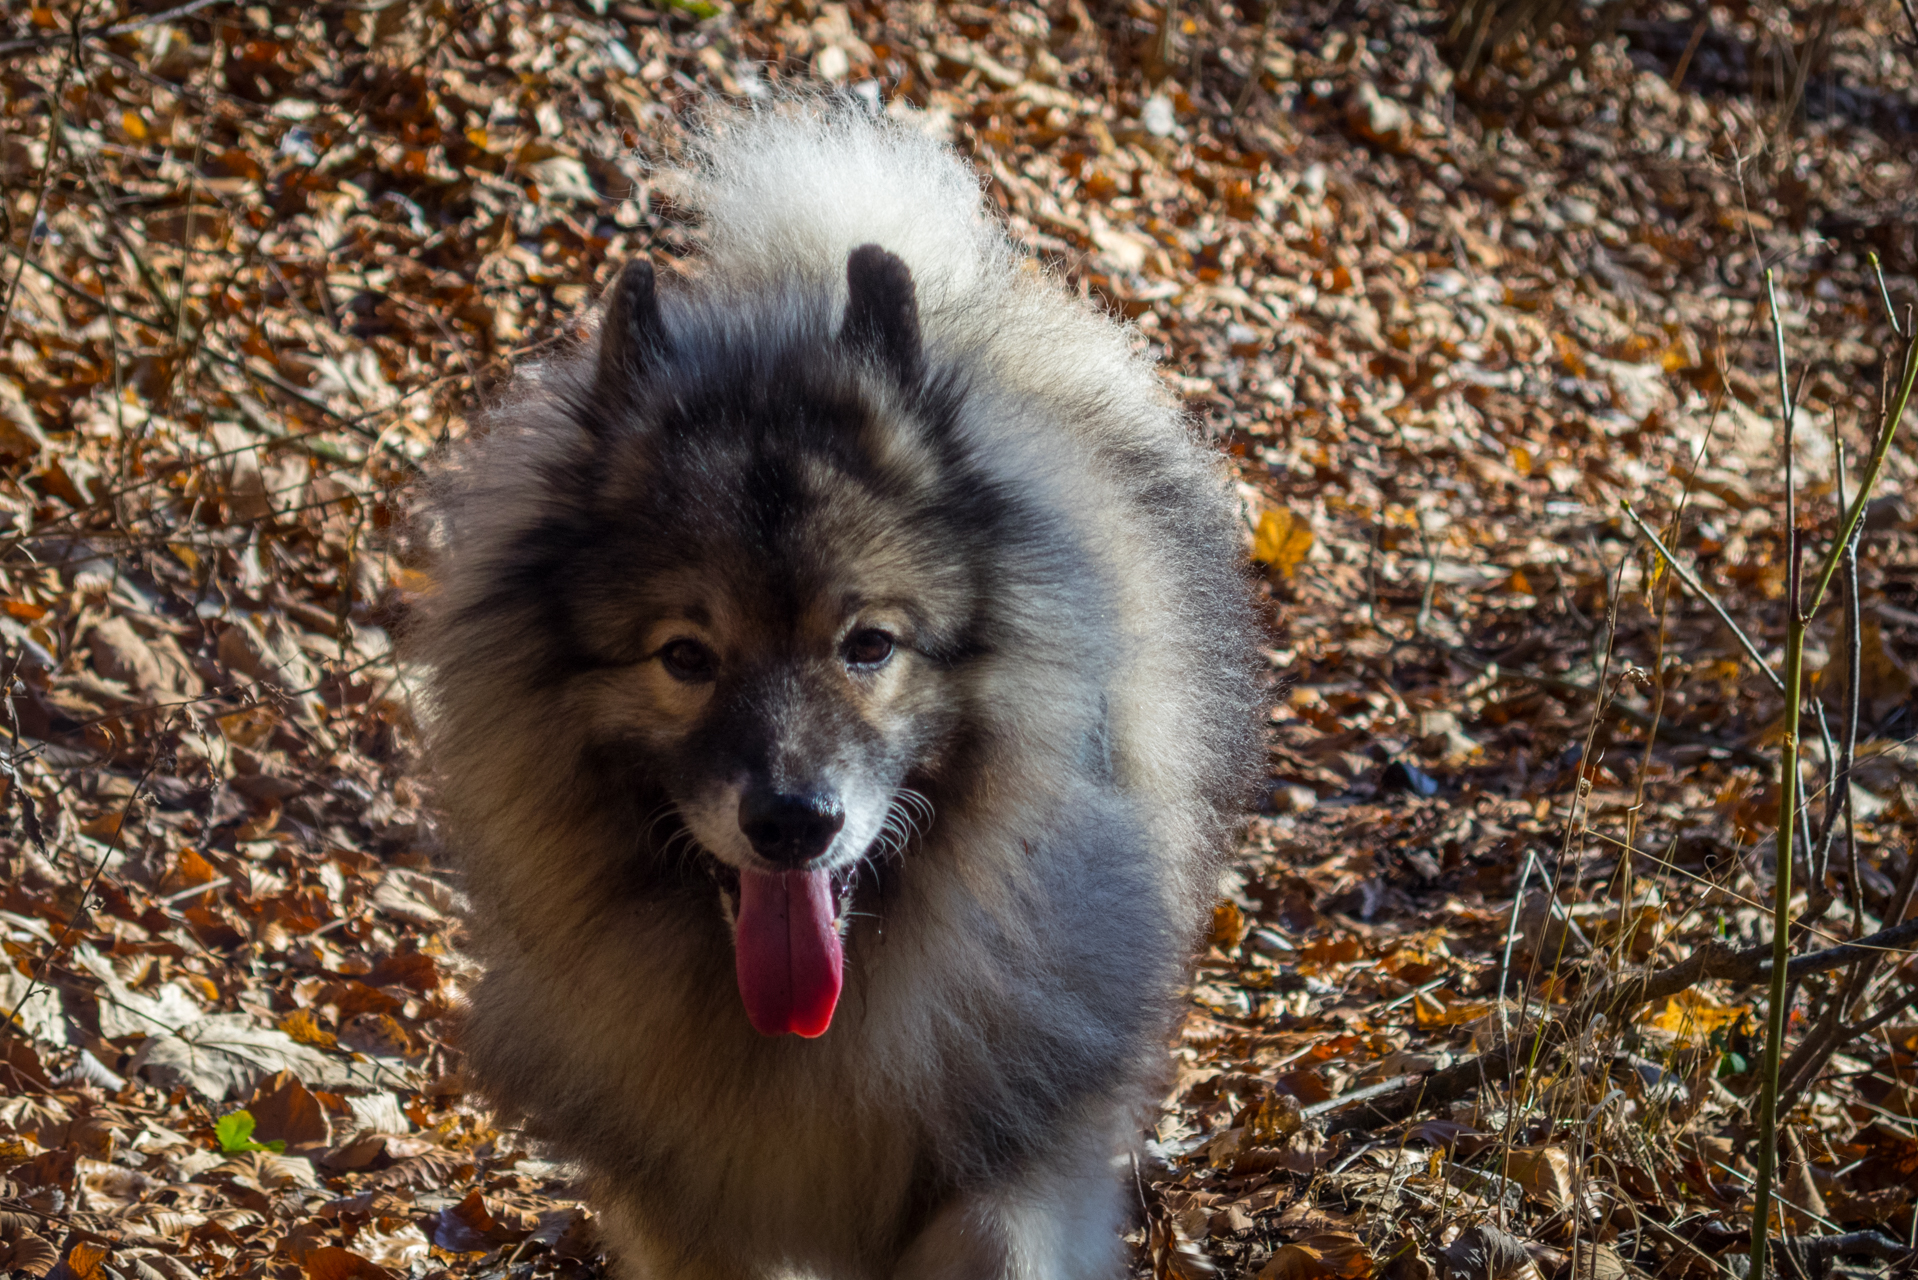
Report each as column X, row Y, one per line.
column 1699, row 589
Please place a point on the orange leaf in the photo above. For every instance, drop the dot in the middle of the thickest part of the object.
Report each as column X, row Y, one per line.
column 104, row 827
column 1228, row 926
column 84, row 1260
column 333, row 1263
column 189, row 870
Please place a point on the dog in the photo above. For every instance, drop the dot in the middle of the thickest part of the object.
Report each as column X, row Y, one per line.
column 840, row 687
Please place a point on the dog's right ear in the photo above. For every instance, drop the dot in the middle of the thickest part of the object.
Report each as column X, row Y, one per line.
column 882, row 310
column 632, row 337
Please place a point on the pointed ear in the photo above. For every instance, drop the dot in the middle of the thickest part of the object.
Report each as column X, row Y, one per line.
column 882, row 312
column 631, row 334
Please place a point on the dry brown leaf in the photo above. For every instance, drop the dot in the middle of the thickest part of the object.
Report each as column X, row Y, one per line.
column 333, row 1263
column 283, row 1109
column 1328, row 1254
column 1484, row 1252
column 27, row 1252
column 1543, row 1173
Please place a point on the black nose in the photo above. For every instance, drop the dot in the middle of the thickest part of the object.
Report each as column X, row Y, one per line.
column 790, row 830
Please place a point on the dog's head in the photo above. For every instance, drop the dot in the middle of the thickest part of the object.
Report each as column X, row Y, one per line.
column 769, row 620
column 768, row 596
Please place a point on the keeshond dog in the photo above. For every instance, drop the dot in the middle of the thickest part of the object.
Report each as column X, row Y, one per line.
column 840, row 688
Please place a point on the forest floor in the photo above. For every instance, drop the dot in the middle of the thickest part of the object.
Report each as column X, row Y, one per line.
column 1446, row 284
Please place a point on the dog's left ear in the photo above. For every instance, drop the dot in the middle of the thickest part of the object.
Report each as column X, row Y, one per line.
column 882, row 311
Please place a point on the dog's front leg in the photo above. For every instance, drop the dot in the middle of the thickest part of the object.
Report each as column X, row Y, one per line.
column 1053, row 1228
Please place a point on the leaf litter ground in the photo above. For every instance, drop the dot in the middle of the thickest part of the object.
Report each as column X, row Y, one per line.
column 1445, row 285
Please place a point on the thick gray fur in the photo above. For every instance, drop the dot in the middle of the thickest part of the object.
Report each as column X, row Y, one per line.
column 1075, row 700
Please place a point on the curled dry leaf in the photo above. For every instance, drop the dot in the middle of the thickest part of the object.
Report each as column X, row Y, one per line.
column 1597, row 1262
column 1543, row 1173
column 1328, row 1254
column 25, row 1250
column 1484, row 1252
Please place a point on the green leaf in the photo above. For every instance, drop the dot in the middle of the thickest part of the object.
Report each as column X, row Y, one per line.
column 234, row 1132
column 1732, row 1064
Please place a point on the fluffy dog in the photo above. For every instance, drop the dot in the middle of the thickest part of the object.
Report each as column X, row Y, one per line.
column 840, row 689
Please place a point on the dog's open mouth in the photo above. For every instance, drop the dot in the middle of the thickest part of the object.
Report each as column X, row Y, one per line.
column 786, row 937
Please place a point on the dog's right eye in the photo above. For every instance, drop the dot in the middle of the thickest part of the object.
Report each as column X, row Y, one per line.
column 688, row 660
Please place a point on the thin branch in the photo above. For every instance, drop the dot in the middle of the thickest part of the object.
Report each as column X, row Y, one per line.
column 1877, row 268
column 1881, row 450
column 1699, row 589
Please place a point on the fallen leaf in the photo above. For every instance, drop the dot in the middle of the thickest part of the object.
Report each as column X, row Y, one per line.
column 1543, row 1173
column 1331, row 1253
column 1281, row 540
column 333, row 1263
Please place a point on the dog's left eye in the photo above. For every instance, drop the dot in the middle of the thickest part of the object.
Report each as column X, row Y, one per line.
column 869, row 647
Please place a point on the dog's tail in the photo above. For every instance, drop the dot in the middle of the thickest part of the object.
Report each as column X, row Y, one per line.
column 802, row 183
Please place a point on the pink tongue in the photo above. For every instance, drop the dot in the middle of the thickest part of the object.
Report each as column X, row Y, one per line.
column 788, row 951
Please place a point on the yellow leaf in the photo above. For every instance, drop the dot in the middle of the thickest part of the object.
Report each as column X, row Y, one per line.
column 304, row 1027
column 1282, row 540
column 185, row 555
column 1692, row 1017
column 1521, row 460
column 135, row 127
